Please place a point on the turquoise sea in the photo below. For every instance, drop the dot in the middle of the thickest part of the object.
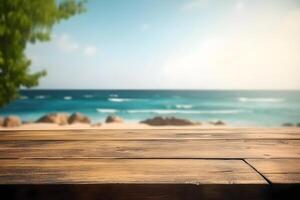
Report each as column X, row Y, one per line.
column 251, row 108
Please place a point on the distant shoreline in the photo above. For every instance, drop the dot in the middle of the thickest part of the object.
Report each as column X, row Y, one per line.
column 171, row 89
column 125, row 125
column 78, row 126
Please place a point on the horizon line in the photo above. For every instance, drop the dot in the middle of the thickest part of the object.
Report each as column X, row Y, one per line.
column 162, row 89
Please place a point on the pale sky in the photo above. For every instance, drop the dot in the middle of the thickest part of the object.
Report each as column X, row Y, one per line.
column 175, row 44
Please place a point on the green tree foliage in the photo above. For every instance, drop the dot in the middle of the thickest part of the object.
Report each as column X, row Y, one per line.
column 21, row 22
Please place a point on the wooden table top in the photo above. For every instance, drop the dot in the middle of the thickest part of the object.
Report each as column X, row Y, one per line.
column 200, row 156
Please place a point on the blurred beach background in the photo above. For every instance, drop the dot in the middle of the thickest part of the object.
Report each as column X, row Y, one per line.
column 236, row 61
column 236, row 108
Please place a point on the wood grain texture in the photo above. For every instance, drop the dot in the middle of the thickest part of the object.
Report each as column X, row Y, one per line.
column 193, row 157
column 219, row 149
column 229, row 133
column 127, row 171
column 278, row 170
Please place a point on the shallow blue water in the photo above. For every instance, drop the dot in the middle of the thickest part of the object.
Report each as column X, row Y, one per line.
column 264, row 108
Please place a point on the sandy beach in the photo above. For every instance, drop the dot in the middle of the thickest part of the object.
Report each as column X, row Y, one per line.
column 127, row 125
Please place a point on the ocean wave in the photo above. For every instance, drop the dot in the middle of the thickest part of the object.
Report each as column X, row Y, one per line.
column 270, row 100
column 67, row 98
column 125, row 99
column 40, row 97
column 160, row 111
column 180, row 106
column 106, row 110
column 119, row 99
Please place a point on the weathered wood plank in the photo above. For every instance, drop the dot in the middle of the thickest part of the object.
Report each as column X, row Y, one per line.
column 278, row 170
column 279, row 133
column 127, row 171
column 152, row 149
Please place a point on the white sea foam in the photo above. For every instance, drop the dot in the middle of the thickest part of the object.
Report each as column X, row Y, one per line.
column 179, row 106
column 125, row 99
column 119, row 99
column 160, row 111
column 106, row 110
column 270, row 100
column 40, row 97
column 67, row 98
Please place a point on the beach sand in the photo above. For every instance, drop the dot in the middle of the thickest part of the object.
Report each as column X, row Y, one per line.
column 127, row 125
